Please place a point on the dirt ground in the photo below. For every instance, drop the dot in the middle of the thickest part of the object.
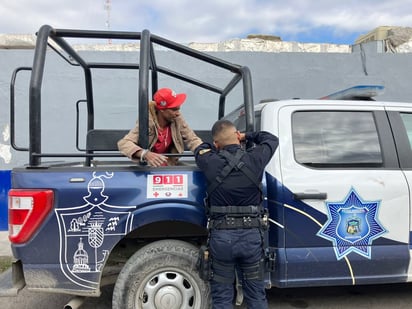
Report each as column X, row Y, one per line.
column 5, row 263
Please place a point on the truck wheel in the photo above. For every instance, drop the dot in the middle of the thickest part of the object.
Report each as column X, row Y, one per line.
column 161, row 275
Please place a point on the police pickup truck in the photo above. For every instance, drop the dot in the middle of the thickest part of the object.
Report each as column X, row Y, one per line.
column 337, row 190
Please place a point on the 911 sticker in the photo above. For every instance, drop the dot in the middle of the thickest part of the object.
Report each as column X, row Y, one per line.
column 167, row 186
column 352, row 225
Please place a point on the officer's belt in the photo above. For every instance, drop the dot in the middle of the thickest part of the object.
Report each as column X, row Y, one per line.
column 235, row 223
column 250, row 210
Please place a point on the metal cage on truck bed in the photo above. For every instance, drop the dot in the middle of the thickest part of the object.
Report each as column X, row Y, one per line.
column 102, row 143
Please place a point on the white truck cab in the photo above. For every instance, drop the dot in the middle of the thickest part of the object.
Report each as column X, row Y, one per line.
column 338, row 190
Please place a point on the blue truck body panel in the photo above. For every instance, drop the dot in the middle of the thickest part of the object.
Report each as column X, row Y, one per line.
column 5, row 183
column 93, row 212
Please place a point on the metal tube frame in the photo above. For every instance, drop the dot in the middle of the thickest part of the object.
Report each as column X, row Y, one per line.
column 147, row 68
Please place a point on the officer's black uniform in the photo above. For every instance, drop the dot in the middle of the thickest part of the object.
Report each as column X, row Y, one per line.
column 234, row 242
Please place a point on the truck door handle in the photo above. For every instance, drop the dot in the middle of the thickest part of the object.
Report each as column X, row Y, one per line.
column 310, row 196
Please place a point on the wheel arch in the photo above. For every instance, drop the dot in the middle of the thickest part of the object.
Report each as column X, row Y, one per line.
column 151, row 223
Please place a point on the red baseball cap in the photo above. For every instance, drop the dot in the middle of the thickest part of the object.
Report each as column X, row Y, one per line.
column 167, row 98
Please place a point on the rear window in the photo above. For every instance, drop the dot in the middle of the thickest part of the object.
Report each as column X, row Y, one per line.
column 335, row 138
column 239, row 120
column 407, row 121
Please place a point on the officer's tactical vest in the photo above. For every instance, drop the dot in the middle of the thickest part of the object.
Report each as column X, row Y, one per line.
column 233, row 163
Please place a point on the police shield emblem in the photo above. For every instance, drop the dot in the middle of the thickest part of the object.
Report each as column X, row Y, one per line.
column 352, row 225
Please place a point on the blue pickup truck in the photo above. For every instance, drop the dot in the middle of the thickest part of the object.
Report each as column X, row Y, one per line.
column 338, row 190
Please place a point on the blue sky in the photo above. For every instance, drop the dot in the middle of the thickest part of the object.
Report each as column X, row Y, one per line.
column 185, row 21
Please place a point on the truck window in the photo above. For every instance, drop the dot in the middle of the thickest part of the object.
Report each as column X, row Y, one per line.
column 407, row 121
column 335, row 138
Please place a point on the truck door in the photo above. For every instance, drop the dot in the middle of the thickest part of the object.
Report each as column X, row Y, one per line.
column 345, row 200
column 401, row 122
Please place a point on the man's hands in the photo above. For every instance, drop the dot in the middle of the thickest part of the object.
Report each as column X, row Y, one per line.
column 152, row 158
column 155, row 159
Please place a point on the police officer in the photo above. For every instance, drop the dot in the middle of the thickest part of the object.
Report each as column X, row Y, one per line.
column 235, row 211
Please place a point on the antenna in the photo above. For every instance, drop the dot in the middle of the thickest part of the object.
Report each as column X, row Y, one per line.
column 108, row 8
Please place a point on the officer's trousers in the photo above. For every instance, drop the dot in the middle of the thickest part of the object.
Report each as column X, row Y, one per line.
column 235, row 250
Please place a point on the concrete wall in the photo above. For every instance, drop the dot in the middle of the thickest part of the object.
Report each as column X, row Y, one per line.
column 275, row 75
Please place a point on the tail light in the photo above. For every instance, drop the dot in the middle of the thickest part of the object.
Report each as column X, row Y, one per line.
column 27, row 211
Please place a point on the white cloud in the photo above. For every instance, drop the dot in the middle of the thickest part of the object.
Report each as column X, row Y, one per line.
column 208, row 21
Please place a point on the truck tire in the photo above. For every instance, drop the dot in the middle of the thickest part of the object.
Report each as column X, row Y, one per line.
column 161, row 275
